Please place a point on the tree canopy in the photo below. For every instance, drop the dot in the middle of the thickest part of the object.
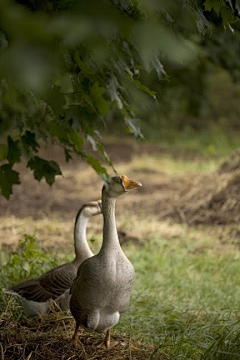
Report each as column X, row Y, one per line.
column 68, row 67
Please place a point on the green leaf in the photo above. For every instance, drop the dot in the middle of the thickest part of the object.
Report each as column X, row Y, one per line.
column 145, row 89
column 226, row 15
column 84, row 67
column 96, row 165
column 43, row 168
column 101, row 104
column 92, row 141
column 3, row 151
column 26, row 267
column 76, row 140
column 14, row 153
column 8, row 178
column 57, row 131
column 96, row 146
column 106, row 157
column 212, row 4
column 29, row 140
column 28, row 143
column 208, row 5
column 133, row 127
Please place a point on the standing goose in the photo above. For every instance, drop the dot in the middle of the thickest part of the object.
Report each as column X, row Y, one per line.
column 100, row 293
column 55, row 284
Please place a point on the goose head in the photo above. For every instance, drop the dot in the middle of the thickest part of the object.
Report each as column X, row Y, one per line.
column 119, row 185
column 91, row 208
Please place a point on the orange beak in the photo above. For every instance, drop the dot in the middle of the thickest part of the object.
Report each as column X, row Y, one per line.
column 129, row 184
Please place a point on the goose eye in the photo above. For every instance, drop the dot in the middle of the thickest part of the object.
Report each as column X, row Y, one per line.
column 117, row 180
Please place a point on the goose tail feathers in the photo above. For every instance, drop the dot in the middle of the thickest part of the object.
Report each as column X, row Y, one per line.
column 11, row 292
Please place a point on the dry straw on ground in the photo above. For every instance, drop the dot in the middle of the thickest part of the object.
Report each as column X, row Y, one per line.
column 49, row 337
column 211, row 197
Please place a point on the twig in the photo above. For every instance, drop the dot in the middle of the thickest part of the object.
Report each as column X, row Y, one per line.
column 29, row 356
column 181, row 215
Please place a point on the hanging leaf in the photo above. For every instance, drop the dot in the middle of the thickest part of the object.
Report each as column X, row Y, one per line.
column 101, row 104
column 28, row 144
column 76, row 140
column 3, row 151
column 106, row 157
column 43, row 168
column 8, row 178
column 145, row 89
column 96, row 146
column 133, row 127
column 14, row 153
column 96, row 165
column 56, row 130
column 226, row 15
column 212, row 4
column 29, row 140
column 92, row 141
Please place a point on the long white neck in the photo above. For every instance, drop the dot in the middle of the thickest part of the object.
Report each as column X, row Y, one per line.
column 110, row 235
column 82, row 249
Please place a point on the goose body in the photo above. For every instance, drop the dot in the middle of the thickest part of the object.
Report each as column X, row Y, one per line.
column 100, row 293
column 55, row 284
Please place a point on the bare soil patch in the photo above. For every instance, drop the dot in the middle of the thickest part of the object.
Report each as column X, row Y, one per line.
column 78, row 184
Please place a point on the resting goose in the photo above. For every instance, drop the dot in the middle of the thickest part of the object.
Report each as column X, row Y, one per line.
column 55, row 284
column 100, row 293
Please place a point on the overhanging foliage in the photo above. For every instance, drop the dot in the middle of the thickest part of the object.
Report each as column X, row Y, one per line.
column 69, row 66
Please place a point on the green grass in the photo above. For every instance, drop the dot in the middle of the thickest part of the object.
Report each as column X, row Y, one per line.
column 187, row 303
column 171, row 165
column 212, row 140
column 185, row 299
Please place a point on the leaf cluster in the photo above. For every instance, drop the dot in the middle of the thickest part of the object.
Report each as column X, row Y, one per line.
column 69, row 67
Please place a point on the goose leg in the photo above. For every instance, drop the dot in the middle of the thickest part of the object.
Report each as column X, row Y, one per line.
column 107, row 341
column 75, row 339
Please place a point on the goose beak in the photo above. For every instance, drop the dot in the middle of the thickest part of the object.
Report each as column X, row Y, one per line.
column 100, row 204
column 129, row 184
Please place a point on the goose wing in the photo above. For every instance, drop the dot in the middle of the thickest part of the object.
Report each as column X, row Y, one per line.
column 49, row 285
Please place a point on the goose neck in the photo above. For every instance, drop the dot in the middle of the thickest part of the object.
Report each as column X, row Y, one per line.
column 110, row 235
column 82, row 249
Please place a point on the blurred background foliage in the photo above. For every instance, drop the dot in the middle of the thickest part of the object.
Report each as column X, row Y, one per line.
column 73, row 69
